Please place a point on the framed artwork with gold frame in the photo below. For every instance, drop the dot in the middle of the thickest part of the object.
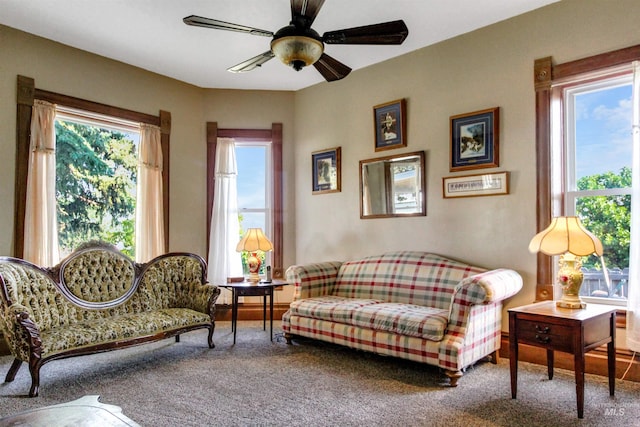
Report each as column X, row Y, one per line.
column 474, row 140
column 390, row 126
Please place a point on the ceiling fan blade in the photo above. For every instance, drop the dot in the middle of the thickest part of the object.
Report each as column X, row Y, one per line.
column 306, row 8
column 331, row 69
column 393, row 32
column 199, row 21
column 252, row 63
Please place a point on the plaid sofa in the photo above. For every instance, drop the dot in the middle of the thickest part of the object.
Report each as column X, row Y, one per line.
column 413, row 305
column 98, row 299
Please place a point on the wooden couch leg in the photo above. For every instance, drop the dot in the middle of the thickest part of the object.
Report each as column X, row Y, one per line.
column 287, row 337
column 13, row 370
column 495, row 357
column 35, row 379
column 454, row 376
column 210, row 338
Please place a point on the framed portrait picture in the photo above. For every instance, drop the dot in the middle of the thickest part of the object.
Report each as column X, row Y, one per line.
column 488, row 184
column 390, row 125
column 326, row 171
column 474, row 140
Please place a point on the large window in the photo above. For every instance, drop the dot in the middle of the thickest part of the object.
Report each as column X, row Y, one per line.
column 584, row 159
column 259, row 159
column 116, row 133
column 254, row 190
column 96, row 176
column 597, row 148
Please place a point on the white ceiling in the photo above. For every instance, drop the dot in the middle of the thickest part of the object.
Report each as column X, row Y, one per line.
column 150, row 34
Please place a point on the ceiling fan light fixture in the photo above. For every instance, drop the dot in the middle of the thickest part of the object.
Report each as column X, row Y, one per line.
column 297, row 51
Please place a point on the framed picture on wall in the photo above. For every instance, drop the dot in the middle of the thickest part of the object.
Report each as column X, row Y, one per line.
column 488, row 184
column 474, row 140
column 326, row 171
column 390, row 125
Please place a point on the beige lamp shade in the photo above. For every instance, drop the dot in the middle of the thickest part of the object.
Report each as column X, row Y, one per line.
column 254, row 240
column 566, row 234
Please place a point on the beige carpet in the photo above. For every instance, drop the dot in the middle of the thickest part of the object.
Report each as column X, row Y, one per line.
column 261, row 383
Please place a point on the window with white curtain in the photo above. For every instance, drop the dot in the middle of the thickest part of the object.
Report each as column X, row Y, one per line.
column 35, row 226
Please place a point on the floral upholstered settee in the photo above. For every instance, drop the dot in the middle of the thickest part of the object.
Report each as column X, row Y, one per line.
column 98, row 299
column 412, row 305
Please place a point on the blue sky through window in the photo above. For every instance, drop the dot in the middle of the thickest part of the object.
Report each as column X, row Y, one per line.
column 603, row 131
column 251, row 161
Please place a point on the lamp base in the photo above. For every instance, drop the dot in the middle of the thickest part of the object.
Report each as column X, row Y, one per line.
column 571, row 304
column 254, row 267
column 570, row 278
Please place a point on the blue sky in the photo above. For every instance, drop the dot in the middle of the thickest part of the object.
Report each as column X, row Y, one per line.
column 603, row 131
column 251, row 177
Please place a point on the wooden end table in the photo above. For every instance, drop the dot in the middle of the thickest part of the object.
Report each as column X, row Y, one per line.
column 574, row 331
column 253, row 289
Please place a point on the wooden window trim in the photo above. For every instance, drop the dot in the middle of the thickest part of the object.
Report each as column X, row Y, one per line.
column 275, row 136
column 545, row 75
column 26, row 94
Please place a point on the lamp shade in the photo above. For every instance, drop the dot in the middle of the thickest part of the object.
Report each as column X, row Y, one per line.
column 254, row 240
column 566, row 234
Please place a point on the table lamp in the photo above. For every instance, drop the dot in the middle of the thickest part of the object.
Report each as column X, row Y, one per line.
column 567, row 237
column 253, row 241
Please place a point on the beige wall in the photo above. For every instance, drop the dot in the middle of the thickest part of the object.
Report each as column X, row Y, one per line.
column 73, row 72
column 486, row 68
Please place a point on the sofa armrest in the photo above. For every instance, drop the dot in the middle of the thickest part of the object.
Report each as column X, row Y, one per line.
column 490, row 286
column 200, row 297
column 179, row 279
column 486, row 288
column 20, row 332
column 313, row 280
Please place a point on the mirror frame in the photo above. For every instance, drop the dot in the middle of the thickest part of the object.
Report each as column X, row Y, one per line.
column 423, row 185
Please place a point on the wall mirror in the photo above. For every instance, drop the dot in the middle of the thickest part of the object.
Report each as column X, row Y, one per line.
column 393, row 186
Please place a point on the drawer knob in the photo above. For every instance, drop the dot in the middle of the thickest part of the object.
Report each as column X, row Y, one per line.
column 544, row 330
column 544, row 340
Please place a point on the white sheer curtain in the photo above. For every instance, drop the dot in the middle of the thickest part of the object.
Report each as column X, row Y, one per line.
column 41, row 222
column 149, row 207
column 224, row 261
column 633, row 303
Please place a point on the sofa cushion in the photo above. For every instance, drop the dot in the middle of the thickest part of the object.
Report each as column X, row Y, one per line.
column 406, row 277
column 110, row 329
column 404, row 319
column 329, row 307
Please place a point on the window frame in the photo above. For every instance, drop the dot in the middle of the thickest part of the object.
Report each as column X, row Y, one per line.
column 26, row 94
column 274, row 135
column 551, row 200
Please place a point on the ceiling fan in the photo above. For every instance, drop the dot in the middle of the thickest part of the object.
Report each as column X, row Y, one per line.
column 298, row 45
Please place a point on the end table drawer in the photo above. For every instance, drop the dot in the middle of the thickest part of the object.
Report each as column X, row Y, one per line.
column 556, row 337
column 254, row 291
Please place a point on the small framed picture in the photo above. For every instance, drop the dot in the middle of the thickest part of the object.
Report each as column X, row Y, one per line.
column 390, row 125
column 326, row 171
column 488, row 184
column 474, row 140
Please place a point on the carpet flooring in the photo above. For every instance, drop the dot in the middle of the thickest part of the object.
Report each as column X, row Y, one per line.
column 257, row 382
